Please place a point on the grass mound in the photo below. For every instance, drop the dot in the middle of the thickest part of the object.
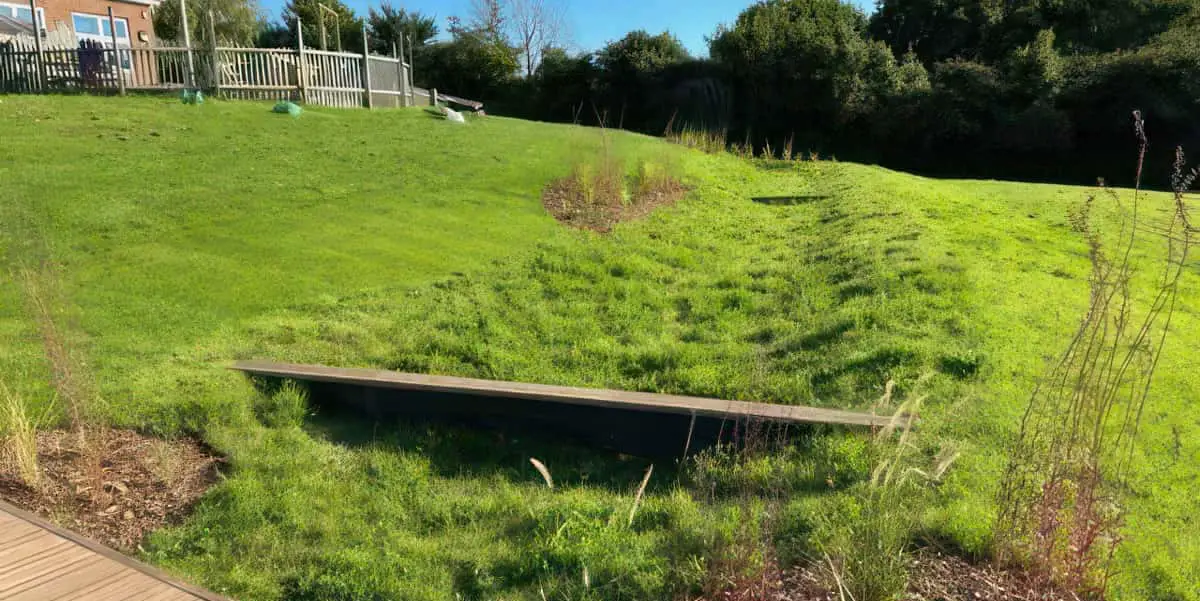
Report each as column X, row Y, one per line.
column 387, row 239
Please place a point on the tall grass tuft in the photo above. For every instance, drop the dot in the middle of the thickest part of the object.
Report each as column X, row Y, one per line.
column 20, row 440
column 285, row 407
column 69, row 373
column 867, row 558
column 699, row 138
column 1061, row 502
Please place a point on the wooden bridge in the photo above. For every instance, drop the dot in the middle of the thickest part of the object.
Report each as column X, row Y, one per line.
column 40, row 562
column 634, row 422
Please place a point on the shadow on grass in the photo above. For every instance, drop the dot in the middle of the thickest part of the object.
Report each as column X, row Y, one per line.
column 788, row 201
column 456, row 450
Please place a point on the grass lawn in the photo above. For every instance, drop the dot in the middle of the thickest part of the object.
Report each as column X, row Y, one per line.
column 187, row 237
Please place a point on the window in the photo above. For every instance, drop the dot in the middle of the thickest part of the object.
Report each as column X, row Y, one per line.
column 21, row 13
column 85, row 24
column 107, row 29
column 98, row 28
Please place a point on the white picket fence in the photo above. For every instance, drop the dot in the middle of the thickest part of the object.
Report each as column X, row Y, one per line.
column 319, row 77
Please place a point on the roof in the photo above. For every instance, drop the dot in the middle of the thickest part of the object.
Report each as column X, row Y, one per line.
column 11, row 26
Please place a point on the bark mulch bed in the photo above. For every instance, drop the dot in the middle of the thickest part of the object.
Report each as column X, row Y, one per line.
column 606, row 204
column 118, row 493
column 933, row 577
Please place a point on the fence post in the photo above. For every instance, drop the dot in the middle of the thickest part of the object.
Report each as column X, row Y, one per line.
column 301, row 67
column 37, row 46
column 412, row 91
column 366, row 71
column 400, row 74
column 216, row 64
column 187, row 43
column 112, row 30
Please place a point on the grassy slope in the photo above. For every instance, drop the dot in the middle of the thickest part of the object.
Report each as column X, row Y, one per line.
column 320, row 240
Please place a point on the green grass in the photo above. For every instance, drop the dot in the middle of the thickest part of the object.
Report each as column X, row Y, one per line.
column 391, row 239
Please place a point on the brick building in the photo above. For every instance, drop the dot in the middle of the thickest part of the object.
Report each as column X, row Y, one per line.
column 68, row 22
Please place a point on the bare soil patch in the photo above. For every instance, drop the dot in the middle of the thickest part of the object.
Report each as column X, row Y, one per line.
column 597, row 200
column 138, row 484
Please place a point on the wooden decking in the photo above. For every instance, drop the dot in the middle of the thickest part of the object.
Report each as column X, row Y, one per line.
column 593, row 397
column 40, row 562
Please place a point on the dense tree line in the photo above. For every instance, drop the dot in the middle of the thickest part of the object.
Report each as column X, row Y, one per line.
column 1005, row 88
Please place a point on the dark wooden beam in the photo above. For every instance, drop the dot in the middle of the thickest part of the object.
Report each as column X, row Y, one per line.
column 592, row 397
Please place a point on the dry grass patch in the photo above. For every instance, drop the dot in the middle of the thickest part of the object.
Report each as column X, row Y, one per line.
column 19, row 450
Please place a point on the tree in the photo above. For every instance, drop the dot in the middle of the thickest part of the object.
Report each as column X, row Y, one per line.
column 390, row 27
column 630, row 75
column 801, row 65
column 1109, row 25
column 538, row 25
column 236, row 22
column 469, row 66
column 345, row 24
column 911, row 75
column 938, row 30
column 478, row 61
column 640, row 52
column 564, row 83
column 1034, row 71
column 273, row 35
column 486, row 19
column 989, row 30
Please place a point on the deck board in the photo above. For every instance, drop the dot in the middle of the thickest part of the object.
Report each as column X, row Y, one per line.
column 42, row 562
column 609, row 399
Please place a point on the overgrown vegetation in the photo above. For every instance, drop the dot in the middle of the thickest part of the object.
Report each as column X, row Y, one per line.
column 374, row 259
column 1064, row 495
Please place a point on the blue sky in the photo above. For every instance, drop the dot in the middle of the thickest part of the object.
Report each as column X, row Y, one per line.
column 593, row 23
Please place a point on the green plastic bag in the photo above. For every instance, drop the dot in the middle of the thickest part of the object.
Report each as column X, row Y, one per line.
column 290, row 108
column 191, row 96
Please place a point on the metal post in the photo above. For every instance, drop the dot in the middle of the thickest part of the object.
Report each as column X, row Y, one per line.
column 112, row 31
column 187, row 43
column 301, row 68
column 37, row 46
column 366, row 71
column 433, row 97
column 216, row 64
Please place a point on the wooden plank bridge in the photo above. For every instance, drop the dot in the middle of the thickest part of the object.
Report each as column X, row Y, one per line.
column 635, row 422
column 40, row 562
